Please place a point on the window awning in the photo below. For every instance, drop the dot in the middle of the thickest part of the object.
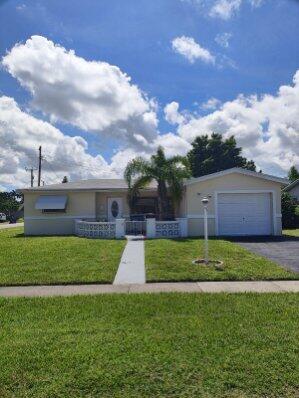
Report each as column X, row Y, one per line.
column 51, row 202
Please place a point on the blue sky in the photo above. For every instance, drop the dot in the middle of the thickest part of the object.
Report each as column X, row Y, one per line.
column 137, row 36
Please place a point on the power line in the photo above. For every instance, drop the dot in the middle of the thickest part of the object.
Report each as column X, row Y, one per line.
column 51, row 168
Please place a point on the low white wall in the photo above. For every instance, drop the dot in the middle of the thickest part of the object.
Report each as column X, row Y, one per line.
column 62, row 226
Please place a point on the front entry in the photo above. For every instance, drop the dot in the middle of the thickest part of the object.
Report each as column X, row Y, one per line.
column 115, row 208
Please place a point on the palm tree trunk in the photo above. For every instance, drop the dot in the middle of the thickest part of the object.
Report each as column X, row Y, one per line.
column 163, row 206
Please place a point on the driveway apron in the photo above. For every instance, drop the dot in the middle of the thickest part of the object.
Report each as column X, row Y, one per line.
column 282, row 250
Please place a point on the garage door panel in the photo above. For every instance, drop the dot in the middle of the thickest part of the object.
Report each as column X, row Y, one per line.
column 244, row 214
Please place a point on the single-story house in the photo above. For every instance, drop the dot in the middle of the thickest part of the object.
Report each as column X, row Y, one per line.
column 293, row 189
column 241, row 202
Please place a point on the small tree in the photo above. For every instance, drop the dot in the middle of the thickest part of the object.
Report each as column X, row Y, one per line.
column 288, row 210
column 169, row 173
column 65, row 180
column 212, row 154
column 10, row 202
column 293, row 174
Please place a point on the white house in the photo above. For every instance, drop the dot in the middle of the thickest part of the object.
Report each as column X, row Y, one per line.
column 241, row 202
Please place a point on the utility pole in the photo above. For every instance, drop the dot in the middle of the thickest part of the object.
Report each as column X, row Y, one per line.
column 31, row 169
column 39, row 165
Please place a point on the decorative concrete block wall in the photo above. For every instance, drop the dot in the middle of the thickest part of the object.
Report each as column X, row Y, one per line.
column 166, row 229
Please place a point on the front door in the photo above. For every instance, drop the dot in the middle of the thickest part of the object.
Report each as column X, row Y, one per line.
column 115, row 208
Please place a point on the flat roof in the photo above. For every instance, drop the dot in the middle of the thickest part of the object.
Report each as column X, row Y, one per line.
column 119, row 184
column 101, row 184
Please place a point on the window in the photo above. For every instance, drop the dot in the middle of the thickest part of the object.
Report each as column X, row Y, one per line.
column 114, row 209
column 51, row 203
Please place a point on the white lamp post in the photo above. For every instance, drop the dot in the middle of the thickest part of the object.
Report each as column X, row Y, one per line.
column 205, row 202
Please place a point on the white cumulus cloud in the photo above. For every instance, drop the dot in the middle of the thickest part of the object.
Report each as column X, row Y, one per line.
column 172, row 114
column 211, row 104
column 267, row 127
column 20, row 136
column 188, row 48
column 91, row 95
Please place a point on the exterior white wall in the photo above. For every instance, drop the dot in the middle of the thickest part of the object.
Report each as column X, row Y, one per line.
column 231, row 182
column 79, row 205
column 102, row 202
column 92, row 205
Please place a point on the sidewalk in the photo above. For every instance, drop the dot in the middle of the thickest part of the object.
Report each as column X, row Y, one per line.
column 182, row 287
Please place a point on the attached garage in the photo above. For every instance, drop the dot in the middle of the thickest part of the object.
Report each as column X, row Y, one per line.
column 244, row 214
column 241, row 203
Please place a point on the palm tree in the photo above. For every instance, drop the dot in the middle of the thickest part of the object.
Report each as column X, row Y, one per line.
column 168, row 173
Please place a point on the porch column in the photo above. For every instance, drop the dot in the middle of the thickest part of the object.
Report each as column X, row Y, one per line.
column 119, row 228
column 183, row 226
column 150, row 228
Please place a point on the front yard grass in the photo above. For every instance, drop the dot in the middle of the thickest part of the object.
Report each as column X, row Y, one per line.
column 171, row 260
column 291, row 232
column 60, row 259
column 158, row 345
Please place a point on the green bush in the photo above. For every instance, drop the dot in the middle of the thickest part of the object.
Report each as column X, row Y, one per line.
column 290, row 219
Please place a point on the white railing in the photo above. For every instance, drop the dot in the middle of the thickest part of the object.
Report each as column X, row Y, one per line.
column 94, row 229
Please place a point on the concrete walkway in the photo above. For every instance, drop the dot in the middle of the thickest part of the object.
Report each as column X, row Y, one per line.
column 8, row 226
column 131, row 268
column 182, row 287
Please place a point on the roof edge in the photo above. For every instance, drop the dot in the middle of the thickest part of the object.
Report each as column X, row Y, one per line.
column 291, row 185
column 45, row 190
column 239, row 170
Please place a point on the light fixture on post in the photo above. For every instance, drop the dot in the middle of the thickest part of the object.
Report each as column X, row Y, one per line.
column 205, row 202
column 217, row 264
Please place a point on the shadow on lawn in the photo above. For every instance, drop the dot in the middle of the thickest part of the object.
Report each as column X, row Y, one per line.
column 22, row 235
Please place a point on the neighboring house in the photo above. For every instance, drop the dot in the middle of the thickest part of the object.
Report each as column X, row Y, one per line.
column 293, row 189
column 242, row 202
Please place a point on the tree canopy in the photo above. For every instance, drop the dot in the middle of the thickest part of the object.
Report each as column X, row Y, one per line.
column 212, row 154
column 293, row 174
column 10, row 202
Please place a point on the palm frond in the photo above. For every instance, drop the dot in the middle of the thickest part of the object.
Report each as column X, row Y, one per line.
column 134, row 168
column 134, row 189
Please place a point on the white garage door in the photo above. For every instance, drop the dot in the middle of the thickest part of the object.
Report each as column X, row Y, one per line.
column 244, row 214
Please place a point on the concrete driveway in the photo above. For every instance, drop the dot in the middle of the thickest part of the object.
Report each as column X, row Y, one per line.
column 282, row 250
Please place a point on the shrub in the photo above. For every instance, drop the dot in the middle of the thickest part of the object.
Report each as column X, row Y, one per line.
column 288, row 210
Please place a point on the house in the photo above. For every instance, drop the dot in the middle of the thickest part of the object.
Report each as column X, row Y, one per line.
column 293, row 189
column 241, row 202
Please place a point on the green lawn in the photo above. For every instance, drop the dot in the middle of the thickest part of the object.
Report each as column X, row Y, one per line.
column 46, row 260
column 171, row 260
column 159, row 345
column 291, row 232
